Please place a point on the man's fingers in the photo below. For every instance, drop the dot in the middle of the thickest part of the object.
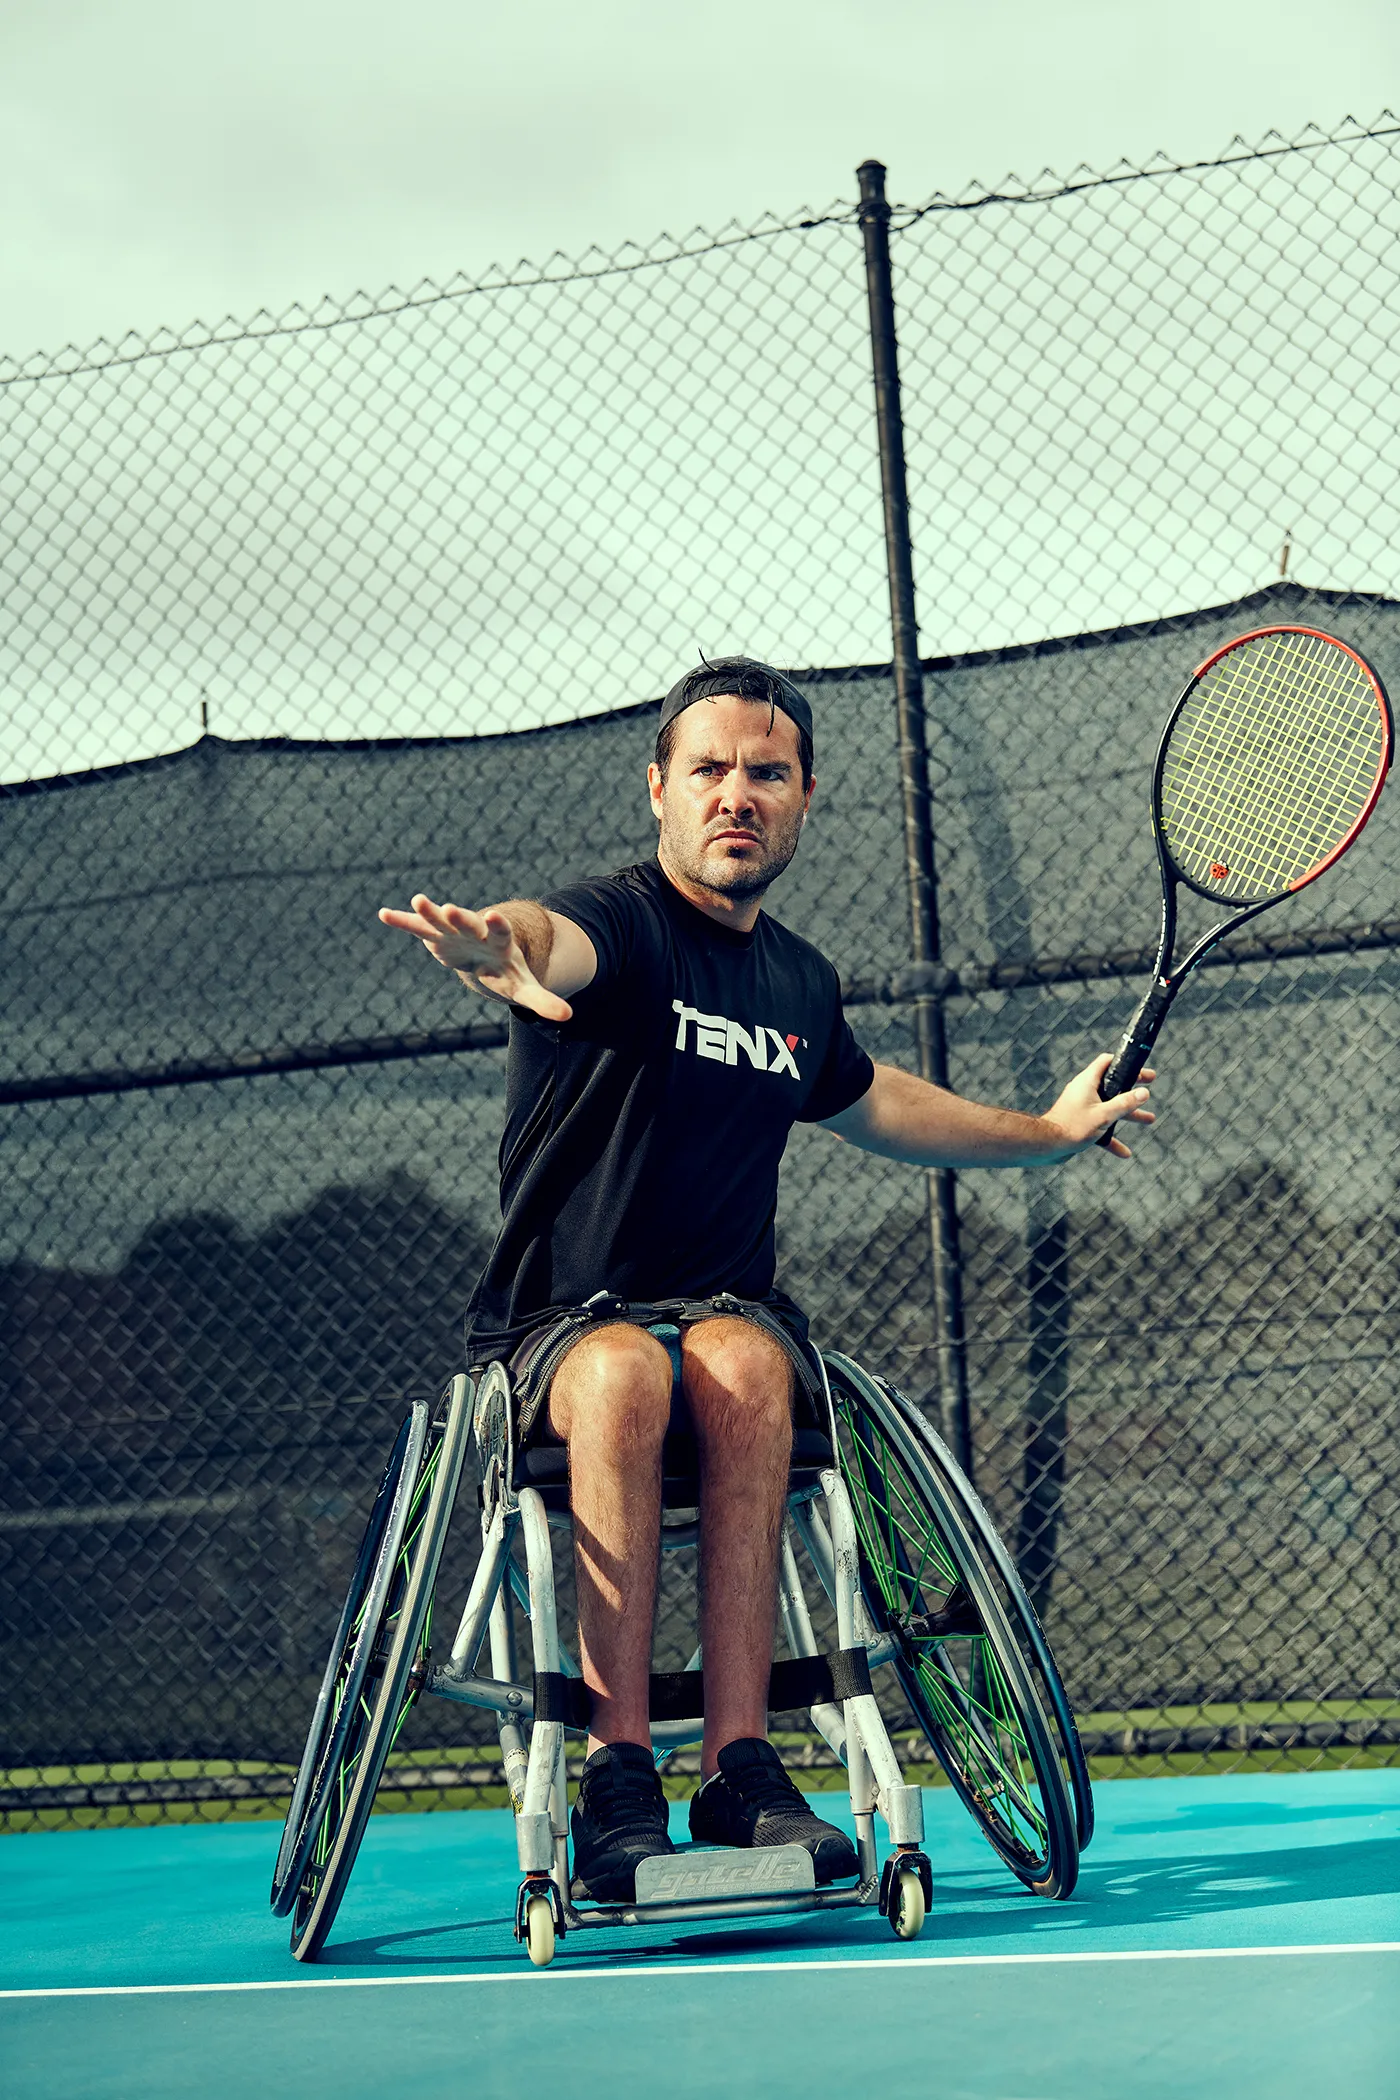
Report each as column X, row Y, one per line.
column 478, row 925
column 435, row 914
column 495, row 928
column 443, row 922
column 1126, row 1107
column 491, row 928
column 1081, row 1111
column 424, row 921
column 1128, row 1104
column 1100, row 1065
column 408, row 922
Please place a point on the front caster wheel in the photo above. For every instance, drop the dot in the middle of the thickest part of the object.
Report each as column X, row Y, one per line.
column 908, row 1910
column 539, row 1930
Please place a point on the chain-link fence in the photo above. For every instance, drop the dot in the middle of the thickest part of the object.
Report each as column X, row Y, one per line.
column 305, row 615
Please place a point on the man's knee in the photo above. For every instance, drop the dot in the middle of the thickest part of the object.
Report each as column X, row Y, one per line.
column 614, row 1388
column 738, row 1384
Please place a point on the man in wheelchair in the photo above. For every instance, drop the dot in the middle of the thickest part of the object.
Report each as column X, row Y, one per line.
column 665, row 1035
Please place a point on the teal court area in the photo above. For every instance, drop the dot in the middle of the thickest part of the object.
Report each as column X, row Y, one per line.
column 1238, row 1936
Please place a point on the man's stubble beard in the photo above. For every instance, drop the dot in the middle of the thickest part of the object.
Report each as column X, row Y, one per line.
column 737, row 880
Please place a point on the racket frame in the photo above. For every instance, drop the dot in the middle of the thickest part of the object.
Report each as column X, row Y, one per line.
column 1141, row 1033
column 1248, row 905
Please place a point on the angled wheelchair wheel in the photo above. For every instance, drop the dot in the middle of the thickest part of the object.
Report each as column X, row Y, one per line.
column 926, row 1580
column 377, row 1672
column 339, row 1700
column 1021, row 1614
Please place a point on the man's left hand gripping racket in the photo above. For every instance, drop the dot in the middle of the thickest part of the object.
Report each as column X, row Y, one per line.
column 1271, row 762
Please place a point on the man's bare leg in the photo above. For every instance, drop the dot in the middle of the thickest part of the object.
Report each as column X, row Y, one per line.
column 611, row 1401
column 738, row 1385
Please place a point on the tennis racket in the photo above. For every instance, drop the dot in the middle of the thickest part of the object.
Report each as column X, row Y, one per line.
column 1271, row 762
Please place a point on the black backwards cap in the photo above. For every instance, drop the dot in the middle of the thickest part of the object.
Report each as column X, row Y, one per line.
column 745, row 679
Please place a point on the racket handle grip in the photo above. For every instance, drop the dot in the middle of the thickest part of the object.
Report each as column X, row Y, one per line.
column 1136, row 1047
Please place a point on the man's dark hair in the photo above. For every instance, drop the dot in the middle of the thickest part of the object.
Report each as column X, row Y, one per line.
column 741, row 678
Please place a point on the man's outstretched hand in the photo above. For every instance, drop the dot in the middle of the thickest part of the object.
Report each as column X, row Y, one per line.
column 482, row 948
column 1083, row 1117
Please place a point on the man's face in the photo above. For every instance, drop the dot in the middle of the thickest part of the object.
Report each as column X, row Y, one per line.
column 732, row 804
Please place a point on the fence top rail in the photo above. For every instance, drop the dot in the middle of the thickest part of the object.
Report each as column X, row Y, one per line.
column 389, row 304
column 75, row 361
column 1310, row 140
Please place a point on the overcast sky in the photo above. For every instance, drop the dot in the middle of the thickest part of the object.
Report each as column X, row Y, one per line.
column 171, row 159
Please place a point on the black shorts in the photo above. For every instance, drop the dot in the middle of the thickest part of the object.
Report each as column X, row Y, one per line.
column 535, row 1357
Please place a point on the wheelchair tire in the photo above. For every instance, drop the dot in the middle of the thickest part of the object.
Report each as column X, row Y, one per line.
column 398, row 1633
column 961, row 1667
column 1020, row 1612
column 348, row 1664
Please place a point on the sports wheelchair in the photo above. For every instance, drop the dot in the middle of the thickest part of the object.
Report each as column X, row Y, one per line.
column 892, row 1535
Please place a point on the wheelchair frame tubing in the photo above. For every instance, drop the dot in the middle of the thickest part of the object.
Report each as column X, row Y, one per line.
column 535, row 1834
column 870, row 1753
column 514, row 1752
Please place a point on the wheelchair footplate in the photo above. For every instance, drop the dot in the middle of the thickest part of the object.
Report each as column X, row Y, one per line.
column 708, row 1881
column 720, row 1873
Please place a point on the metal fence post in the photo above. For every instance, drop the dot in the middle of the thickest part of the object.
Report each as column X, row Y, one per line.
column 919, row 866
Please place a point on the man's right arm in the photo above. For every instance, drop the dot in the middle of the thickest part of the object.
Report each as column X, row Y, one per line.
column 516, row 951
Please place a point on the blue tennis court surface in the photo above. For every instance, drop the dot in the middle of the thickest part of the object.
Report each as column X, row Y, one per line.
column 1229, row 1936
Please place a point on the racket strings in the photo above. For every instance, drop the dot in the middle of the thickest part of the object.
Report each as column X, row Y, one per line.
column 1271, row 762
column 1299, row 801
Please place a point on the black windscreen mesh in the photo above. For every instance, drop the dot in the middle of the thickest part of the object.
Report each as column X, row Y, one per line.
column 216, row 1293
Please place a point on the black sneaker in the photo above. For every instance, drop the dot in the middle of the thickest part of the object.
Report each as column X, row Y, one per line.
column 619, row 1819
column 752, row 1801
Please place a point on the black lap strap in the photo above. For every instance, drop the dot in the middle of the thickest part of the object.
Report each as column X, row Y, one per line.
column 679, row 1695
column 850, row 1673
column 804, row 1680
column 561, row 1698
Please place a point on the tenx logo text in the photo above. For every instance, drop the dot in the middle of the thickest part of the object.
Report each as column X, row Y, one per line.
column 716, row 1036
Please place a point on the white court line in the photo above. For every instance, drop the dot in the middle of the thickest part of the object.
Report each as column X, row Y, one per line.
column 698, row 1968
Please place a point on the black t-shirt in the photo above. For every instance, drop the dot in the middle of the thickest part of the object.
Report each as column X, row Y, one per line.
column 643, row 1137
